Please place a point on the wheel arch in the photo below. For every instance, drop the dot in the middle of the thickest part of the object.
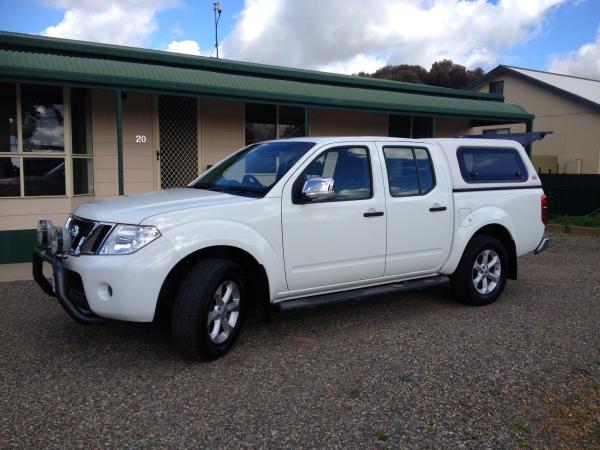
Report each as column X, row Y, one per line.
column 503, row 235
column 255, row 272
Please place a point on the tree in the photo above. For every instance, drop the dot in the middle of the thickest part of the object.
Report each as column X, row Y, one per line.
column 444, row 73
column 403, row 72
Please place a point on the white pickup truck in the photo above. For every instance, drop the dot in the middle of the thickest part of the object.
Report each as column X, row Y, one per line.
column 298, row 223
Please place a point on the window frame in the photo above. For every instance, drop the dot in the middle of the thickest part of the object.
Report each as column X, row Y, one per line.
column 89, row 142
column 66, row 155
column 464, row 173
column 412, row 148
column 299, row 182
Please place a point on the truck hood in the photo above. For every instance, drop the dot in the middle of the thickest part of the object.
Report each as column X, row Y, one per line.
column 134, row 209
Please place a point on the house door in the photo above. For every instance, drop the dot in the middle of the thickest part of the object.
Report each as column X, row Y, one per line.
column 178, row 143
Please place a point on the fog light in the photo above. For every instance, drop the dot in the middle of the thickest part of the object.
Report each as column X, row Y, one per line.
column 105, row 291
column 43, row 233
column 60, row 242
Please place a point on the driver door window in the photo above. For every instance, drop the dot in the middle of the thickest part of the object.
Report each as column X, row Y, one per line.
column 350, row 169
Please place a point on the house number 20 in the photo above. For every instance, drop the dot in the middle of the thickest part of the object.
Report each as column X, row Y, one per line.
column 140, row 138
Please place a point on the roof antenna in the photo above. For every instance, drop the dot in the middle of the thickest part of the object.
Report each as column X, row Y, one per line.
column 217, row 10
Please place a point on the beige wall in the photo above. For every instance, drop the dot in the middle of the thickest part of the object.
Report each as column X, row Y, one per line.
column 449, row 127
column 221, row 130
column 576, row 126
column 335, row 122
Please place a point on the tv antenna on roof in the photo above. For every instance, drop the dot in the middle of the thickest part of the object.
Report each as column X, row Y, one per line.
column 217, row 10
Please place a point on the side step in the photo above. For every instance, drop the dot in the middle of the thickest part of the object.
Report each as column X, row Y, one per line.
column 359, row 294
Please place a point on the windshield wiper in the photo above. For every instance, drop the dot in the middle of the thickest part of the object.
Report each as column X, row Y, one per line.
column 208, row 186
column 245, row 190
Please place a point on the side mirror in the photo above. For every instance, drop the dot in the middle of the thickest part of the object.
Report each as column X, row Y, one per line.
column 316, row 189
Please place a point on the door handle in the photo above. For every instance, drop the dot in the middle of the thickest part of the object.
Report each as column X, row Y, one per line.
column 373, row 214
column 437, row 208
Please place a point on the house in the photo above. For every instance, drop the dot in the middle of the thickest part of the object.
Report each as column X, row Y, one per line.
column 82, row 121
column 567, row 105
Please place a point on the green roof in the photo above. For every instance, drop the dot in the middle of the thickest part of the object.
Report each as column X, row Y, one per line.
column 41, row 59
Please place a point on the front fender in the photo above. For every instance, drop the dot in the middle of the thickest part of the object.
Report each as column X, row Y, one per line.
column 470, row 222
column 193, row 236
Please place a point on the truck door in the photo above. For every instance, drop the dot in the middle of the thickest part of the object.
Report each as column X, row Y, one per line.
column 340, row 239
column 419, row 209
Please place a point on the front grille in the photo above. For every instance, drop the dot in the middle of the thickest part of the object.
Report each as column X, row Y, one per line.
column 86, row 236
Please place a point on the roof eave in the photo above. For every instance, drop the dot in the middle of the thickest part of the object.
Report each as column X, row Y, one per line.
column 157, row 56
column 155, row 86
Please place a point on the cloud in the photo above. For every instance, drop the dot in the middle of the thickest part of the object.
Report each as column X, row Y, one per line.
column 358, row 63
column 189, row 47
column 125, row 22
column 352, row 35
column 584, row 62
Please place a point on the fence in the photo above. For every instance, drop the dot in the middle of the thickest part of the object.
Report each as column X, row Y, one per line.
column 571, row 194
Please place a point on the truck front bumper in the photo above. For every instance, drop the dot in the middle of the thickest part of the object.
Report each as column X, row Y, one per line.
column 543, row 245
column 73, row 300
column 93, row 288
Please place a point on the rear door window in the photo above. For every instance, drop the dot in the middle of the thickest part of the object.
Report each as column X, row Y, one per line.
column 488, row 165
column 409, row 171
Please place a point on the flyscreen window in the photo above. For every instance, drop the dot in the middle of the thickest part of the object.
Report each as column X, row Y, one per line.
column 488, row 165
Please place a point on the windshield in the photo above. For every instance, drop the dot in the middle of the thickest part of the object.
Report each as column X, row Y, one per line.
column 255, row 170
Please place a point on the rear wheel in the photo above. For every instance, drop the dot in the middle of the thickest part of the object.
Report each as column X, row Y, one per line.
column 209, row 309
column 481, row 274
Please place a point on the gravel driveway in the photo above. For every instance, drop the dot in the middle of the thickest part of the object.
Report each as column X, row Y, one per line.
column 410, row 371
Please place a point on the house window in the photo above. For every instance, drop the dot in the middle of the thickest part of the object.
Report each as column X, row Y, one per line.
column 422, row 127
column 42, row 112
column 35, row 157
column 415, row 127
column 266, row 122
column 497, row 131
column 400, row 126
column 497, row 87
column 8, row 118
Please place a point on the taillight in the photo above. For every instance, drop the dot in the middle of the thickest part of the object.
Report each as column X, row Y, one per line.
column 544, row 209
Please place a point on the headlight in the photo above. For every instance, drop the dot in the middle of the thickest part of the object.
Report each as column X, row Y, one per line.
column 127, row 239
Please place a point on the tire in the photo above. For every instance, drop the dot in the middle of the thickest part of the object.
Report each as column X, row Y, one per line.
column 201, row 306
column 481, row 274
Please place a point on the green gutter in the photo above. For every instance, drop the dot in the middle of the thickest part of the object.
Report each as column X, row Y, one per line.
column 119, row 95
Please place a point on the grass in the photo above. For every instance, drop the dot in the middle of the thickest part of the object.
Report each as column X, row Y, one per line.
column 354, row 393
column 381, row 435
column 580, row 371
column 592, row 221
column 523, row 428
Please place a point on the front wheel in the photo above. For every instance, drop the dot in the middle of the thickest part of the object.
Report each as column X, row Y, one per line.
column 209, row 309
column 481, row 274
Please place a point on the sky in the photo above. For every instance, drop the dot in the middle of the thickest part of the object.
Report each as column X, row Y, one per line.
column 344, row 36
